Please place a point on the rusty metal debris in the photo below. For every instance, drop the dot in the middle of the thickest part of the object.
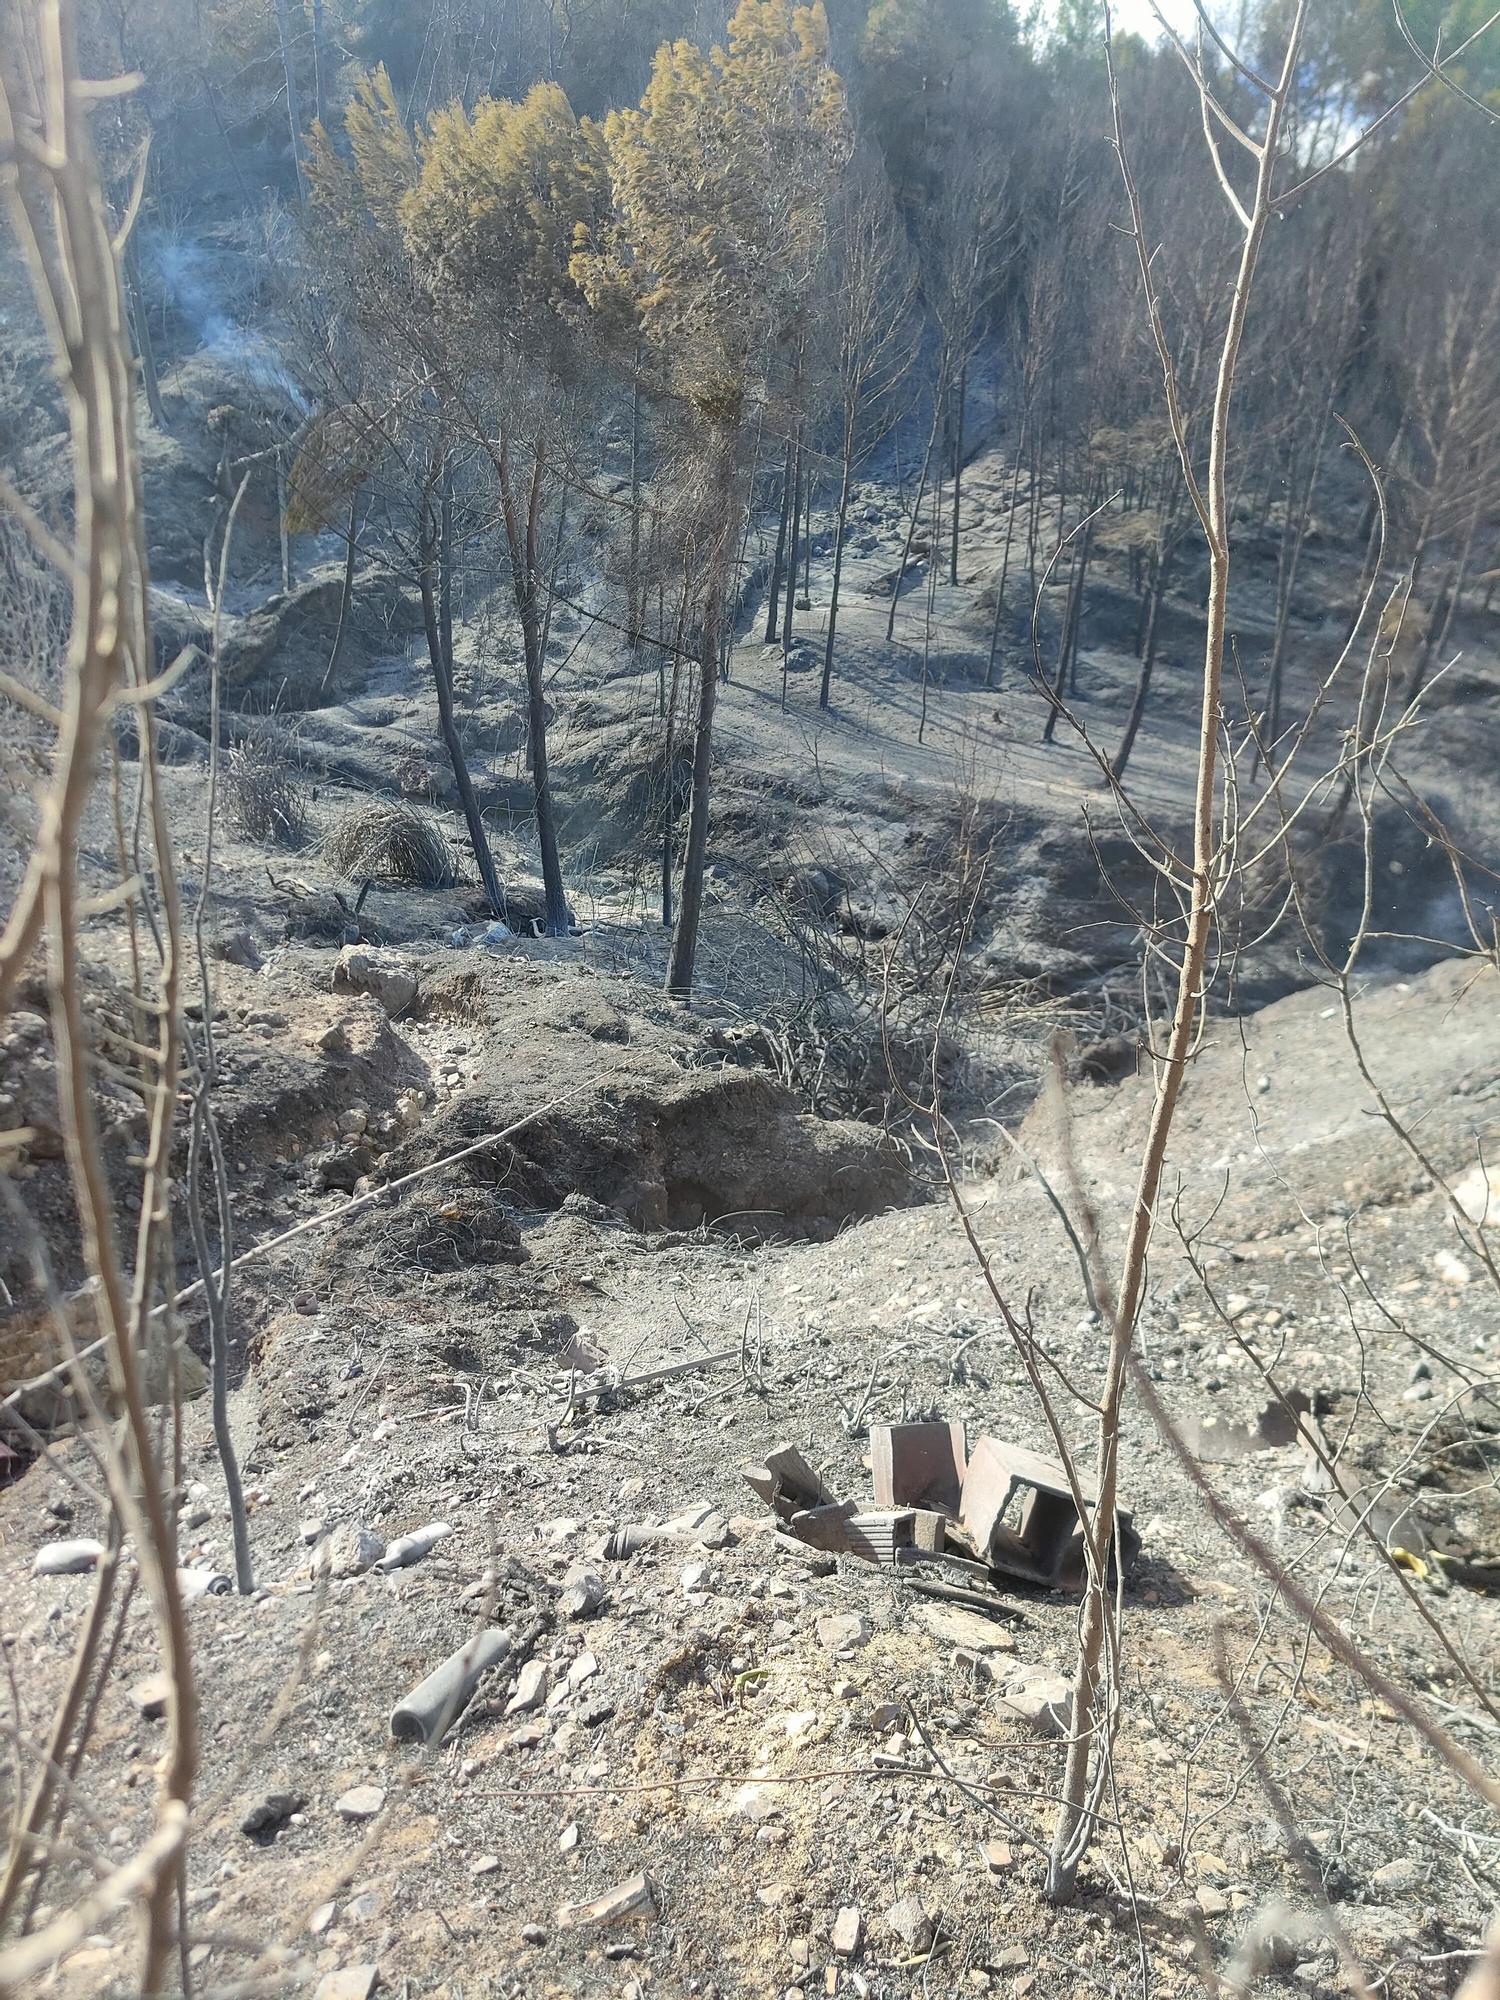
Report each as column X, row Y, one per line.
column 952, row 1520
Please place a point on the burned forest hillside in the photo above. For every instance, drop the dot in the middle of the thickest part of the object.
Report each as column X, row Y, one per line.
column 749, row 999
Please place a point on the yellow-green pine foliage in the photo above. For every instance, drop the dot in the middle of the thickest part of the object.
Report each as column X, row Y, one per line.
column 502, row 192
column 382, row 164
column 720, row 180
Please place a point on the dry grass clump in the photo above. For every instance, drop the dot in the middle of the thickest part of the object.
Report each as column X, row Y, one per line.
column 388, row 840
column 262, row 798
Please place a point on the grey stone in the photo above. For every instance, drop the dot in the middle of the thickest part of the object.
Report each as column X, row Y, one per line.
column 911, row 1924
column 349, row 1982
column 350, row 1551
column 531, row 1688
column 840, row 1630
column 360, row 1802
column 270, row 1811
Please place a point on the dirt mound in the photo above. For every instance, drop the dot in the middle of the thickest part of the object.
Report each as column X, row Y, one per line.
column 722, row 1146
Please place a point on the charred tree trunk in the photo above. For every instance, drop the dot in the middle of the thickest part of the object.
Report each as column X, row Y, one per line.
column 293, row 99
column 526, row 577
column 1142, row 691
column 634, row 612
column 778, row 565
column 1049, row 727
column 1010, row 524
column 433, row 579
column 681, row 964
column 281, row 531
column 916, row 512
column 140, row 328
column 841, row 522
column 669, row 756
column 958, row 467
column 346, row 593
column 794, row 550
column 1075, row 610
column 684, row 956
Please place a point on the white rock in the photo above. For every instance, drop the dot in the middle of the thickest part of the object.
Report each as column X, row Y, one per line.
column 349, row 1551
column 1452, row 1270
column 531, row 1688
column 840, row 1630
column 1043, row 1703
column 384, row 974
column 360, row 1802
column 1398, row 1876
column 911, row 1924
column 1478, row 1194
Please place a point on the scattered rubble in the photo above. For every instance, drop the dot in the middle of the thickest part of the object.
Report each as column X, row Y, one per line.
column 944, row 1512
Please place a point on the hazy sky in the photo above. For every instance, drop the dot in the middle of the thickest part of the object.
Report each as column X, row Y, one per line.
column 1136, row 15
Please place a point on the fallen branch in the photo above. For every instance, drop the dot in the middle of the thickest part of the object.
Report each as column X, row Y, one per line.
column 608, row 1383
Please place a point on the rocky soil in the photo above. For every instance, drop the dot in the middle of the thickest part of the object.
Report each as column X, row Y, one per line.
column 828, row 1784
column 775, row 1742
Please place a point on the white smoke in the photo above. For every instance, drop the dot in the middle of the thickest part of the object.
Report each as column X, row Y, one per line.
column 185, row 272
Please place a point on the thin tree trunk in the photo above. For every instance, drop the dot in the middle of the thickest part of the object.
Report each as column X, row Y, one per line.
column 684, row 954
column 140, row 327
column 320, row 65
column 773, row 592
column 293, row 99
column 281, row 529
column 932, row 571
column 1289, row 561
column 346, row 594
column 669, row 753
column 731, row 621
column 958, row 467
column 1075, row 610
column 526, row 573
column 634, row 614
column 1049, row 727
column 552, row 572
column 1143, row 678
column 1073, row 1828
column 840, row 525
column 1010, row 523
column 794, row 550
column 916, row 512
column 1437, row 635
column 808, row 482
column 442, row 675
